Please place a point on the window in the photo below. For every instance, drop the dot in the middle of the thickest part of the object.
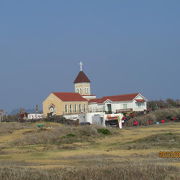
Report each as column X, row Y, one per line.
column 70, row 108
column 84, row 108
column 80, row 91
column 75, row 108
column 79, row 107
column 77, row 90
column 140, row 104
column 66, row 109
column 124, row 106
column 109, row 108
column 87, row 90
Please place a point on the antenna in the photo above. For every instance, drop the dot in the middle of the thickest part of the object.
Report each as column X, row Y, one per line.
column 36, row 108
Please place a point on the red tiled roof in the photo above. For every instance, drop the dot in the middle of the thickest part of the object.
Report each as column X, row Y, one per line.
column 125, row 97
column 96, row 100
column 81, row 77
column 68, row 96
column 89, row 95
column 140, row 100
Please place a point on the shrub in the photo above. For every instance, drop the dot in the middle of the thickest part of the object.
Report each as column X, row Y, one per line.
column 70, row 135
column 104, row 131
column 156, row 116
column 59, row 134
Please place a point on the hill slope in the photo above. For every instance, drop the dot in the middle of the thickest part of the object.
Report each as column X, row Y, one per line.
column 87, row 152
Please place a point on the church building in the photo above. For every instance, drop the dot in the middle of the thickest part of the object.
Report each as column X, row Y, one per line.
column 62, row 103
column 82, row 101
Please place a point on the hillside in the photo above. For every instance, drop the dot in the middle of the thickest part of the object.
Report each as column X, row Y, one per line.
column 87, row 152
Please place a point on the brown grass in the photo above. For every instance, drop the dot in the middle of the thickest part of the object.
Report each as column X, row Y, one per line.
column 59, row 135
column 7, row 128
column 82, row 153
column 127, row 171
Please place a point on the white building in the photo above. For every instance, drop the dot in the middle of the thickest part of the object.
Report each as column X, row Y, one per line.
column 119, row 103
column 35, row 116
column 92, row 117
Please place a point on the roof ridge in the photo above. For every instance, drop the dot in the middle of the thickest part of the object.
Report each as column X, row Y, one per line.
column 122, row 95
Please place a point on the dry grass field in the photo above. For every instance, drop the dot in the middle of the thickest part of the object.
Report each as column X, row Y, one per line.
column 88, row 152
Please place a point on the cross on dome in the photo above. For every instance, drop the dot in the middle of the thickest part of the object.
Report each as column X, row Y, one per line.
column 81, row 66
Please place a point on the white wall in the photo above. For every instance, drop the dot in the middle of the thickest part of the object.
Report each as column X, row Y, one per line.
column 134, row 105
column 95, row 118
column 140, row 107
column 83, row 88
column 130, row 105
column 92, row 118
column 120, row 105
column 94, row 107
column 35, row 116
column 71, row 116
column 74, row 117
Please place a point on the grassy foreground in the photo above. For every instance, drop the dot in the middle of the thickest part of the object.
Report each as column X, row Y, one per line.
column 87, row 152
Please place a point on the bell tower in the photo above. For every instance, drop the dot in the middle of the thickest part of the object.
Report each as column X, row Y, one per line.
column 82, row 83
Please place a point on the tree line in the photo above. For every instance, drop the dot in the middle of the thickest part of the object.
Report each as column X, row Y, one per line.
column 161, row 104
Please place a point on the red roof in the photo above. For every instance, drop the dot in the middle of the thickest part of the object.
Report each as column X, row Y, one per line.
column 89, row 95
column 81, row 78
column 125, row 97
column 140, row 100
column 100, row 100
column 68, row 96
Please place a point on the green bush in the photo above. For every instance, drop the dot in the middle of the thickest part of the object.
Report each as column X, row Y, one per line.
column 104, row 131
column 70, row 135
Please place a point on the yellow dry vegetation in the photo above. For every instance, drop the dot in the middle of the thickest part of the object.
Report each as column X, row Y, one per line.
column 123, row 145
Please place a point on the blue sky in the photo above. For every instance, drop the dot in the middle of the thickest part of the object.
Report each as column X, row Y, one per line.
column 126, row 46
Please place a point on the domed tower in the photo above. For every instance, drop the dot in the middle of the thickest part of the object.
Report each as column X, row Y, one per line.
column 82, row 83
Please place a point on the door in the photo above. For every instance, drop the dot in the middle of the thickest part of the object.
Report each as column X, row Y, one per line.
column 109, row 108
